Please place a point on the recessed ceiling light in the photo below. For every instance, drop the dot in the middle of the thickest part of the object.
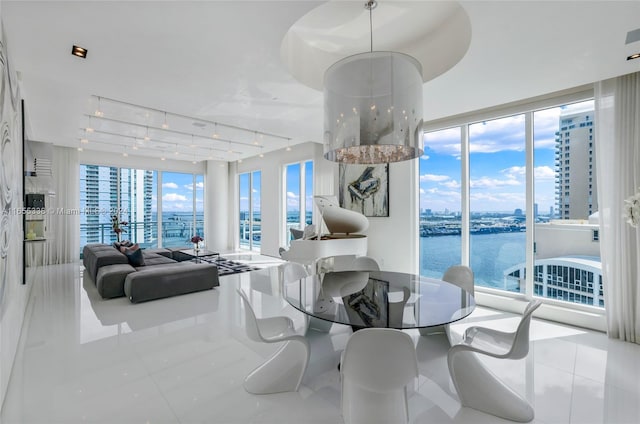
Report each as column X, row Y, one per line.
column 162, row 159
column 79, row 51
column 125, row 154
column 633, row 56
column 84, row 141
column 261, row 155
column 79, row 149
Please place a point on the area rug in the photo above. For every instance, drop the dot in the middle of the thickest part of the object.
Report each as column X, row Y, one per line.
column 227, row 267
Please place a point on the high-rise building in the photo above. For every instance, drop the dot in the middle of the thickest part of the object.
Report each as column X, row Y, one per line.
column 575, row 166
column 98, row 197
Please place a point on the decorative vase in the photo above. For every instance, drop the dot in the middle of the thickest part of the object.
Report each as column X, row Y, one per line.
column 196, row 248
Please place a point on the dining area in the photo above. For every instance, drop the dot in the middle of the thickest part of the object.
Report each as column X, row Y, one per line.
column 384, row 336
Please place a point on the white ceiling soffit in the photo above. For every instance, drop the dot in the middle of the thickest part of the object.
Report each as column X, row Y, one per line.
column 436, row 33
column 222, row 61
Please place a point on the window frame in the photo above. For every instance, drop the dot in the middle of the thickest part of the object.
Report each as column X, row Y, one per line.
column 571, row 313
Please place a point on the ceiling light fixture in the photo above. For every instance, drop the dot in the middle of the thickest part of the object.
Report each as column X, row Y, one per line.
column 202, row 122
column 146, row 136
column 99, row 111
column 164, row 124
column 84, row 141
column 79, row 51
column 89, row 128
column 633, row 56
column 373, row 106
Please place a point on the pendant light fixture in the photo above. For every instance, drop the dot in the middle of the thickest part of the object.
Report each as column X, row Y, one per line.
column 373, row 106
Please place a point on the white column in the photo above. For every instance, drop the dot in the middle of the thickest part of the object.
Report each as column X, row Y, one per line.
column 216, row 209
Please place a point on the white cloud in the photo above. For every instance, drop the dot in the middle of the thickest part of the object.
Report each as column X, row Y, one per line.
column 544, row 173
column 451, row 184
column 433, row 177
column 170, row 185
column 422, row 191
column 199, row 186
column 174, row 197
column 487, row 182
column 291, row 195
column 514, row 172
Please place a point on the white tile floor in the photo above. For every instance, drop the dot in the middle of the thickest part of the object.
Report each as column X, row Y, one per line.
column 183, row 360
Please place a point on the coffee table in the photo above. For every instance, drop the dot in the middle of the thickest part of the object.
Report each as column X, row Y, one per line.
column 202, row 253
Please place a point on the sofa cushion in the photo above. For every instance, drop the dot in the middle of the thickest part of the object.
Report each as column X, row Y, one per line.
column 152, row 259
column 96, row 256
column 110, row 280
column 167, row 280
column 135, row 257
column 160, row 251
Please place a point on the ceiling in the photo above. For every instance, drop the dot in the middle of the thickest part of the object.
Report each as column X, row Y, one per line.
column 210, row 79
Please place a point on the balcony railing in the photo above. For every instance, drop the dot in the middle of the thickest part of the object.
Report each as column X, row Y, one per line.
column 174, row 233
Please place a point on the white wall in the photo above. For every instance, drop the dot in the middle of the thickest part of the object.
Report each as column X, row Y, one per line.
column 13, row 294
column 393, row 240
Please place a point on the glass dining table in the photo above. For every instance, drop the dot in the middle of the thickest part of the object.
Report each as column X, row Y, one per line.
column 387, row 299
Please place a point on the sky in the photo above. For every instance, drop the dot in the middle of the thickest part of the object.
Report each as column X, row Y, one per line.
column 177, row 192
column 496, row 162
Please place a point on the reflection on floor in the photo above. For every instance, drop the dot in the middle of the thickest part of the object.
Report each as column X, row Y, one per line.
column 183, row 360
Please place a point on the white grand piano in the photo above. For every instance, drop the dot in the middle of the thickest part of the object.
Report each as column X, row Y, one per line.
column 343, row 238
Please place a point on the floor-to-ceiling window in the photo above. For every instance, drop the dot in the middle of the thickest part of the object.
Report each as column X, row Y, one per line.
column 132, row 194
column 138, row 208
column 298, row 188
column 250, row 222
column 532, row 200
column 567, row 249
column 308, row 192
column 440, row 207
column 181, row 218
column 497, row 201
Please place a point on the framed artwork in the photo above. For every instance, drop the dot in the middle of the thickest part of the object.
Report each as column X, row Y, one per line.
column 365, row 189
column 370, row 306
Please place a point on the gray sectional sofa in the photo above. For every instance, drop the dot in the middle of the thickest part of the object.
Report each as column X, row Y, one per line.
column 161, row 276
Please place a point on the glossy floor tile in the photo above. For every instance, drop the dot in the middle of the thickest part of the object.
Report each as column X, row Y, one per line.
column 183, row 360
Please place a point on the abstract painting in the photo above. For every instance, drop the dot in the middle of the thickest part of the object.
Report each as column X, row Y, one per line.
column 365, row 189
column 11, row 259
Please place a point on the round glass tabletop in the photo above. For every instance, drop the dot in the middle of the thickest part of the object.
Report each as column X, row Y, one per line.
column 379, row 299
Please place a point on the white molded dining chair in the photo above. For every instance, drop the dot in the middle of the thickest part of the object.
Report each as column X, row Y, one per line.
column 478, row 387
column 346, row 263
column 377, row 365
column 461, row 276
column 293, row 271
column 284, row 369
